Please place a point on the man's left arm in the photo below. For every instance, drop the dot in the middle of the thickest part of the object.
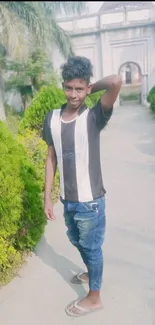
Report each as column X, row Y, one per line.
column 103, row 109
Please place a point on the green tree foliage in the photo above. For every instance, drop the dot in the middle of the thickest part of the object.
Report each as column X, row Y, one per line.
column 29, row 76
column 26, row 25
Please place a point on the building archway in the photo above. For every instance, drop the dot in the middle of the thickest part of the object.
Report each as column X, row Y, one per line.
column 131, row 90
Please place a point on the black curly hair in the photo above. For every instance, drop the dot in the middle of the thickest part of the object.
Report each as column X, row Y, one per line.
column 77, row 67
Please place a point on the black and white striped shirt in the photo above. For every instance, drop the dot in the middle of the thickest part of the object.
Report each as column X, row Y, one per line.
column 77, row 147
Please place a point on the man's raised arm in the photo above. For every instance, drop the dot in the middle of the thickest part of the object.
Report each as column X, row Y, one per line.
column 111, row 85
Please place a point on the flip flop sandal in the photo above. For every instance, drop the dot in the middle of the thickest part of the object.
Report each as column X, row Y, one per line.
column 80, row 311
column 77, row 278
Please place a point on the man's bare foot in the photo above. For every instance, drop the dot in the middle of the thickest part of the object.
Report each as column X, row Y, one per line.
column 89, row 304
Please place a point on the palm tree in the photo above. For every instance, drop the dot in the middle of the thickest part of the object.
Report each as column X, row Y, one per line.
column 25, row 23
column 37, row 19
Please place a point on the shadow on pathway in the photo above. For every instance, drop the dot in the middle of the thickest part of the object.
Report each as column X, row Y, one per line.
column 61, row 264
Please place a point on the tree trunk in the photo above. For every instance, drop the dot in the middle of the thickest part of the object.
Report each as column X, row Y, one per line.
column 2, row 110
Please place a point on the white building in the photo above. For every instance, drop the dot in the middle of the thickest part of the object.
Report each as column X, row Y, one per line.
column 120, row 38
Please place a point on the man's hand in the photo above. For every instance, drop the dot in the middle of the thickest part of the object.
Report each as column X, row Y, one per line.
column 48, row 209
column 51, row 164
column 112, row 85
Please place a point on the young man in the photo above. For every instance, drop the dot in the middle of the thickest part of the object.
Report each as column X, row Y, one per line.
column 72, row 134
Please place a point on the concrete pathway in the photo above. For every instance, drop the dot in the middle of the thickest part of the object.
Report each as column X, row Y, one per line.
column 39, row 295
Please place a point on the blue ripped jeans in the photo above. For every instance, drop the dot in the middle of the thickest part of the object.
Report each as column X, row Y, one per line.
column 86, row 228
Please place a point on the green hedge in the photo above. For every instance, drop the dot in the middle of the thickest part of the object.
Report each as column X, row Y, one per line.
column 151, row 93
column 48, row 98
column 94, row 98
column 152, row 103
column 151, row 99
column 36, row 150
column 22, row 219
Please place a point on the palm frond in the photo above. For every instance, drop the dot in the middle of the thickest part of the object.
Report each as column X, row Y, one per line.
column 31, row 14
column 59, row 36
column 27, row 24
column 12, row 33
column 54, row 8
column 61, row 39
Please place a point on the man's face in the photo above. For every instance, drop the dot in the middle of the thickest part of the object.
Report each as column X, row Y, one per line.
column 76, row 91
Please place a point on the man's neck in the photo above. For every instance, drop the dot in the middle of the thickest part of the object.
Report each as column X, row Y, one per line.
column 73, row 111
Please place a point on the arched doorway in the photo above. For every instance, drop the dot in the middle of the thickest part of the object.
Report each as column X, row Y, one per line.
column 131, row 83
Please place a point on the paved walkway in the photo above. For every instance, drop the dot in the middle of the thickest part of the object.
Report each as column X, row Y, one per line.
column 40, row 294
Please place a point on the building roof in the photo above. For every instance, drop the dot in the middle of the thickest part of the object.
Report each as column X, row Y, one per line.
column 117, row 6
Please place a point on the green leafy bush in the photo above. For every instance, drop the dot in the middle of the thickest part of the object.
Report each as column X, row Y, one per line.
column 151, row 93
column 152, row 103
column 12, row 118
column 10, row 260
column 36, row 150
column 89, row 102
column 22, row 218
column 95, row 97
column 48, row 98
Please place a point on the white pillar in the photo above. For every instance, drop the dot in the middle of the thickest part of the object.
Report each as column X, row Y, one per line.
column 144, row 89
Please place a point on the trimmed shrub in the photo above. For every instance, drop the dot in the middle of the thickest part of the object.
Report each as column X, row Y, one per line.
column 152, row 103
column 45, row 100
column 92, row 99
column 95, row 97
column 151, row 93
column 89, row 102
column 22, row 219
column 12, row 118
column 36, row 150
column 10, row 260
